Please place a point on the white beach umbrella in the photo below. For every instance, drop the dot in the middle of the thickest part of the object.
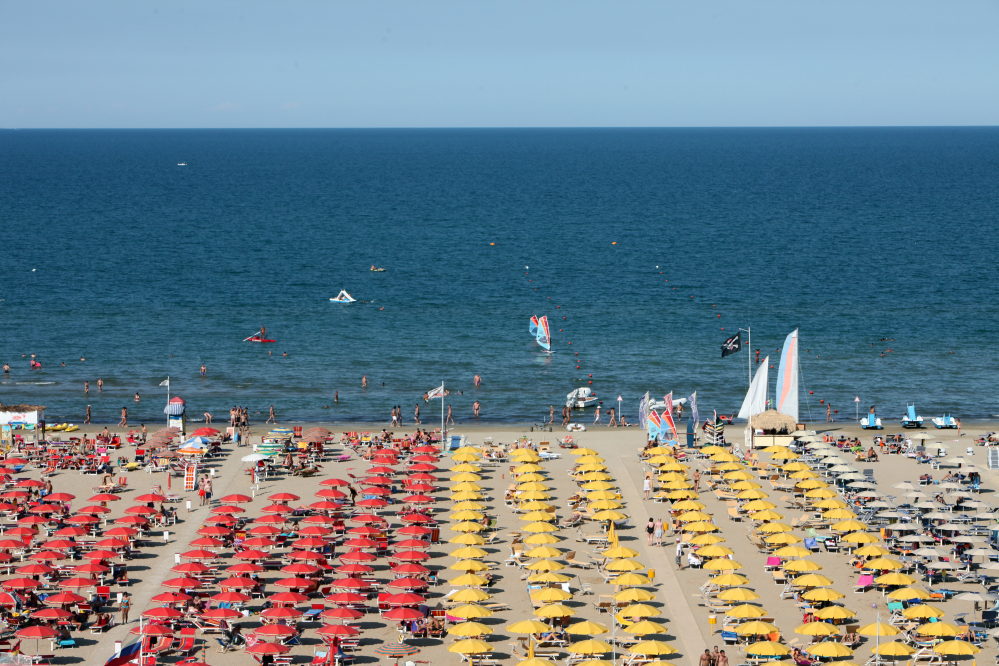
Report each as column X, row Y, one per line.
column 937, row 515
column 931, row 551
column 858, row 484
column 991, row 566
column 921, row 435
column 951, row 527
column 254, row 457
column 890, row 514
column 950, row 484
column 967, row 538
column 869, row 493
column 905, row 485
column 916, row 538
column 959, row 493
column 985, row 515
column 927, row 504
column 982, row 552
column 916, row 494
column 941, row 564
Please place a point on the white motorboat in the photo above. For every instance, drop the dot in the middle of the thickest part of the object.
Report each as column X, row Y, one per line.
column 661, row 404
column 581, row 398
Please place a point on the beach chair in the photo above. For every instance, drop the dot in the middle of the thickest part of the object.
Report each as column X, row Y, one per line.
column 811, row 542
column 864, row 583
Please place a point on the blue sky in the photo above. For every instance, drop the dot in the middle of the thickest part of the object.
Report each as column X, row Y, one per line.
column 497, row 64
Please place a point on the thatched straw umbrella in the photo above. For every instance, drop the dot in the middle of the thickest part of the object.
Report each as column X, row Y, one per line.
column 775, row 421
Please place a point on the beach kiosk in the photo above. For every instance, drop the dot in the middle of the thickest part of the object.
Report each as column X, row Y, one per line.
column 23, row 418
column 175, row 415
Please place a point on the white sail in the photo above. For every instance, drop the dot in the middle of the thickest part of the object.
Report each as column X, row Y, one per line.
column 787, row 378
column 756, row 397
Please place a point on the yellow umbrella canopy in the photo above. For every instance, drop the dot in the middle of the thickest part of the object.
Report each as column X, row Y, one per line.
column 804, row 474
column 660, row 460
column 693, row 516
column 672, row 476
column 860, row 537
column 549, row 577
column 600, row 505
column 834, row 613
column 812, row 580
column 922, row 611
column 469, row 611
column 956, row 648
column 545, row 565
column 746, row 611
column 674, row 466
column 639, row 611
column 820, row 493
column 625, row 565
column 756, row 628
column 527, row 467
column 767, row 649
column 466, row 467
column 645, row 627
column 470, row 646
column 782, row 538
column 634, row 594
column 722, row 564
column 883, row 563
column 528, row 627
column 766, row 514
column 469, row 629
column 706, row 539
column 597, row 476
column 872, row 551
column 822, row 594
column 945, row 629
column 687, row 505
column 544, row 551
column 895, row 578
column 620, row 551
column 531, row 476
column 906, row 593
column 679, row 495
column 468, row 506
column 713, row 551
column 828, row 649
column 471, row 595
column 731, row 467
column 759, row 505
column 591, row 467
column 630, row 579
column 802, row 565
column 541, row 539
column 839, row 514
column 785, row 455
column 589, row 647
column 878, row 629
column 792, row 551
column 700, row 527
column 534, row 495
column 725, row 457
column 587, row 628
column 712, row 450
column 796, row 467
column 543, row 516
column 536, row 505
column 741, row 475
column 652, row 648
column 745, row 485
column 582, row 460
column 539, row 527
column 529, row 485
column 549, row 594
column 776, row 448
column 592, row 452
column 893, row 649
column 817, row 629
column 769, row 528
column 466, row 495
column 830, row 504
column 678, row 485
column 598, row 485
column 468, row 579
column 554, row 610
column 849, row 526
column 809, row 484
column 468, row 539
column 469, row 553
column 609, row 515
column 466, row 476
column 729, row 580
column 469, row 565
column 467, row 526
column 752, row 494
column 464, row 457
column 738, row 594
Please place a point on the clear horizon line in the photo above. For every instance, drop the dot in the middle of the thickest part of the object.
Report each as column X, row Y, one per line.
column 509, row 127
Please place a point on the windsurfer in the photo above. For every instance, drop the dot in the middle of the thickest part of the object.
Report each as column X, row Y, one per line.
column 263, row 332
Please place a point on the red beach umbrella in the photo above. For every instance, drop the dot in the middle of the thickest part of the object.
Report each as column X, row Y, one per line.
column 414, row 530
column 182, row 583
column 244, row 568
column 378, row 481
column 419, row 499
column 216, row 531
column 404, row 599
column 70, row 532
column 284, row 612
column 381, row 470
column 402, row 613
column 318, row 520
column 91, row 568
column 358, row 556
column 59, row 497
column 150, row 497
column 20, row 584
column 111, row 543
column 267, row 648
column 172, row 598
column 100, row 555
column 422, row 467
column 47, row 556
column 236, row 499
column 34, row 570
column 409, row 569
column 190, row 568
column 52, row 614
column 288, row 598
column 199, row 555
column 314, row 531
column 63, row 599
column 361, row 542
column 120, row 533
column 338, row 630
column 325, row 506
column 207, row 542
column 330, row 494
column 277, row 508
column 283, row 497
column 102, row 497
column 408, row 583
column 346, row 598
column 420, row 488
column 238, row 582
column 270, row 520
column 274, row 630
column 300, row 569
column 163, row 612
column 307, row 555
column 221, row 614
column 230, row 598
column 423, row 458
column 351, row 569
column 94, row 510
column 350, row 583
column 260, row 542
column 264, row 530
column 250, row 555
column 341, row 614
column 228, row 509
column 416, row 518
column 296, row 583
column 372, row 503
column 412, row 544
column 334, row 482
column 308, row 542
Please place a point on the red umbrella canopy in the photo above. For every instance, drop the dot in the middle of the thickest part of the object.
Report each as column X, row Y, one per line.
column 426, row 448
column 152, row 629
column 12, row 544
column 372, row 503
column 20, row 584
column 259, row 542
column 365, row 530
column 416, row 518
column 63, row 599
column 35, row 520
column 42, row 509
column 223, row 519
column 120, row 533
column 277, row 508
column 207, row 542
column 424, row 458
column 250, row 555
column 412, row 544
column 245, row 568
column 78, row 583
column 172, row 598
column 15, row 494
column 307, row 555
column 334, row 482
column 384, row 460
column 94, row 510
column 34, row 570
column 376, row 490
column 309, row 542
column 58, row 544
column 217, row 531
column 368, row 518
column 422, row 467
column 52, row 614
column 288, row 598
column 404, row 599
column 410, row 569
column 378, row 481
column 100, row 555
column 150, row 497
column 198, row 555
column 402, row 613
column 91, row 568
column 267, row 648
column 37, row 632
column 221, row 614
column 408, row 583
column 140, row 511
column 274, row 630
column 285, row 612
column 420, row 487
column 381, row 470
column 190, row 568
column 422, row 477
column 239, row 582
column 295, row 583
column 30, row 483
column 283, row 497
column 352, row 569
column 102, row 497
column 228, row 509
column 201, row 432
column 338, row 630
column 47, row 556
column 360, row 542
column 163, row 612
column 318, row 520
column 83, row 520
column 325, row 506
column 315, row 531
column 358, row 556
column 346, row 598
column 329, row 493
column 301, row 569
column 59, row 497
column 341, row 614
column 350, row 583
column 130, row 520
column 411, row 556
column 182, row 583
column 230, row 598
column 419, row 499
column 236, row 499
column 265, row 530
column 70, row 532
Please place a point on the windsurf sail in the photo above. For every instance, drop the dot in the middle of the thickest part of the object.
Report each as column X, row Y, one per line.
column 655, row 425
column 668, row 414
column 534, row 326
column 756, row 397
column 544, row 337
column 787, row 377
column 643, row 411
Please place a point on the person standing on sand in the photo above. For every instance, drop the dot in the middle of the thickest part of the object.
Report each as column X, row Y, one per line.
column 416, row 414
column 659, row 532
column 208, row 490
column 829, row 413
column 271, row 418
column 596, row 416
column 551, row 414
column 126, row 604
column 201, row 490
column 646, row 489
column 679, row 555
column 697, row 479
column 144, row 432
column 208, row 417
column 650, row 528
column 124, row 417
column 449, row 419
column 87, row 420
column 958, row 422
column 705, row 659
column 613, row 422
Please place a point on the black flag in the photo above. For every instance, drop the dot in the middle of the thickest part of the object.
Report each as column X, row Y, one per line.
column 732, row 345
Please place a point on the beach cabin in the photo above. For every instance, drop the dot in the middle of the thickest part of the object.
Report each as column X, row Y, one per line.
column 175, row 415
column 23, row 418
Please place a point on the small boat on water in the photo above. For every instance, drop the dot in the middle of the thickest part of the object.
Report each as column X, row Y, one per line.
column 910, row 420
column 376, row 270
column 343, row 297
column 946, row 421
column 581, row 398
column 181, row 163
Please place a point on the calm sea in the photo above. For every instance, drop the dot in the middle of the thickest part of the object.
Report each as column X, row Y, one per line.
column 645, row 248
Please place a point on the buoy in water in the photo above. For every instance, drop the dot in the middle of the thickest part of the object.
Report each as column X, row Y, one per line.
column 614, row 243
column 821, row 400
column 810, row 392
column 492, row 243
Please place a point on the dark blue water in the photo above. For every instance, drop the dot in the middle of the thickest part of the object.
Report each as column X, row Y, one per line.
column 113, row 252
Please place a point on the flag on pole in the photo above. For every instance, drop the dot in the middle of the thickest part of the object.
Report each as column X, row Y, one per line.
column 436, row 393
column 165, row 382
column 693, row 406
column 668, row 414
column 643, row 411
column 732, row 345
column 129, row 651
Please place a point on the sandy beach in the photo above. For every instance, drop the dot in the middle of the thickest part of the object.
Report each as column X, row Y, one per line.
column 677, row 593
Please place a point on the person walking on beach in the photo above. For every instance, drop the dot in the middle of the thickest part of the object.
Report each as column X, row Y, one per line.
column 697, row 479
column 596, row 416
column 613, row 422
column 208, row 490
column 416, row 414
column 659, row 532
column 87, row 420
column 126, row 604
column 679, row 555
column 647, row 487
column 124, row 417
column 829, row 413
column 86, row 388
column 476, row 408
column 449, row 419
column 650, row 528
column 201, row 490
column 144, row 433
column 271, row 418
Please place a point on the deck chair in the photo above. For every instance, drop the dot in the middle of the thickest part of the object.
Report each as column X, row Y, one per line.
column 570, row 558
column 864, row 583
column 811, row 543
column 869, row 476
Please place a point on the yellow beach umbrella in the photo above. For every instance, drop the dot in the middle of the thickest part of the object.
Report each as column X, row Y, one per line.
column 544, row 551
column 860, row 537
column 467, row 515
column 470, row 646
column 589, row 647
column 895, row 578
column 550, row 594
column 548, row 577
column 527, row 467
column 729, row 580
column 752, row 494
column 652, row 648
column 466, row 467
column 766, row 514
column 782, row 538
column 731, row 467
column 465, row 457
column 469, row 611
column 534, row 495
column 822, row 594
column 878, row 629
column 810, row 484
column 906, row 593
column 609, row 515
column 539, row 527
column 839, row 514
column 834, row 613
column 469, row 565
column 620, row 551
column 587, row 452
column 700, row 527
column 674, row 466
column 681, row 494
column 528, row 627
column 597, row 476
column 769, row 528
column 469, row 553
column 830, row 504
column 531, row 476
column 582, row 460
column 630, row 579
column 532, row 485
column 939, row 629
column 712, row 449
column 725, row 457
column 539, row 515
column 672, row 476
column 541, row 539
column 802, row 565
column 625, row 565
column 713, row 551
column 767, row 649
column 469, row 629
column 828, row 649
column 586, row 628
column 849, row 526
column 722, row 564
column 756, row 628
column 792, row 551
column 468, row 539
column 796, row 467
column 536, row 505
column 872, row 551
column 687, row 505
column 598, row 485
column 922, row 611
column 468, row 506
column 545, row 565
column 645, row 627
column 693, row 516
column 740, row 475
column 468, row 579
column 467, row 526
column 812, row 580
column 776, row 448
column 817, row 629
column 706, row 539
column 820, row 493
column 759, row 505
column 678, row 485
column 804, row 474
column 745, row 485
column 470, row 595
column 893, row 649
column 591, row 467
column 744, row 611
column 600, row 505
column 466, row 495
column 639, row 611
column 634, row 594
column 883, row 563
column 466, row 476
column 785, row 455
column 554, row 610
column 738, row 594
column 956, row 648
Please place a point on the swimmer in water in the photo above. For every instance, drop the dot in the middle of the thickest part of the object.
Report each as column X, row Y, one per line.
column 364, row 381
column 6, row 369
column 100, row 384
column 137, row 396
column 204, row 370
